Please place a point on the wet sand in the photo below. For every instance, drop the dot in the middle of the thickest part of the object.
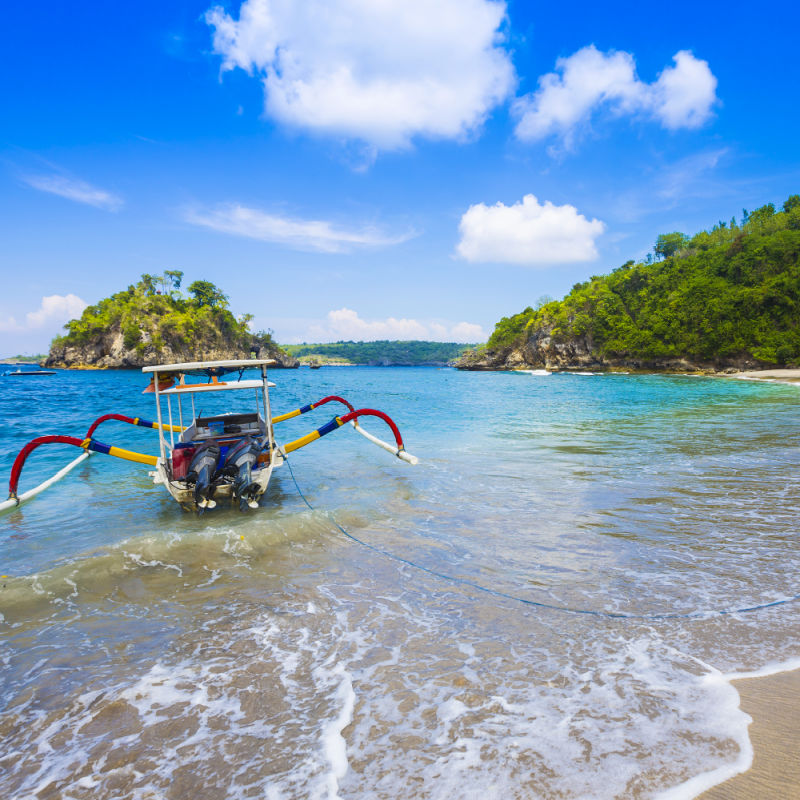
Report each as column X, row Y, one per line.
column 772, row 702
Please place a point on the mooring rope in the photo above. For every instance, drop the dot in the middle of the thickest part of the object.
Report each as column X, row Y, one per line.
column 537, row 603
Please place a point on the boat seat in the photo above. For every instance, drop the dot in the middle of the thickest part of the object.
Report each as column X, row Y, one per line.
column 226, row 425
column 228, row 419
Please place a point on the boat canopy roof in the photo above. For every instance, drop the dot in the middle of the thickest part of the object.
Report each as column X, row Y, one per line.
column 209, row 368
column 190, row 388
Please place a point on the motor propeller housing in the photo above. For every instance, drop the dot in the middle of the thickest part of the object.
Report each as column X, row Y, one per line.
column 202, row 470
column 239, row 463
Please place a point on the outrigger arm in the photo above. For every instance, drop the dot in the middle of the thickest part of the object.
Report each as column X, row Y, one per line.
column 352, row 416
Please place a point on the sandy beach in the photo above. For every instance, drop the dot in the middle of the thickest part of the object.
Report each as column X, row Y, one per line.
column 781, row 375
column 772, row 703
column 775, row 734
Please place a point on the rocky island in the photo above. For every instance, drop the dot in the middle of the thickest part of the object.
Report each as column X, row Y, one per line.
column 153, row 322
column 723, row 300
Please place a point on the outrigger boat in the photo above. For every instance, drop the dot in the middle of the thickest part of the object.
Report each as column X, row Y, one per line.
column 27, row 373
column 225, row 456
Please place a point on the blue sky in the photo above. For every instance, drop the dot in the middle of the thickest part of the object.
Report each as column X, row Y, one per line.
column 353, row 169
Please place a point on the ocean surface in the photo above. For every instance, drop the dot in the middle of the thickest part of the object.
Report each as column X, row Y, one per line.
column 531, row 612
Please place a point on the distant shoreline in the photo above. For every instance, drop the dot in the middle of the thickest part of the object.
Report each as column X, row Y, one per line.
column 304, row 367
column 788, row 376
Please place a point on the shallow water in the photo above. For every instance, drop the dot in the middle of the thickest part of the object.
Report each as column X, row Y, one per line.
column 148, row 653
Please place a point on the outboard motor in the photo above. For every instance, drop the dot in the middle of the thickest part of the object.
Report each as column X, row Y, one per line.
column 201, row 474
column 239, row 463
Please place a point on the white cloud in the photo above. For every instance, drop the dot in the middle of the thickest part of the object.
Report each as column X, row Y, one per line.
column 468, row 332
column 379, row 72
column 301, row 234
column 345, row 324
column 682, row 97
column 77, row 190
column 53, row 312
column 528, row 234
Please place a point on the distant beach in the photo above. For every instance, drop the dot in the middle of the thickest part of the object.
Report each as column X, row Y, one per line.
column 778, row 375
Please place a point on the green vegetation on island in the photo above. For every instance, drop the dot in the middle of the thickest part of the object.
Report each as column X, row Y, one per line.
column 725, row 296
column 153, row 321
column 379, row 353
column 23, row 359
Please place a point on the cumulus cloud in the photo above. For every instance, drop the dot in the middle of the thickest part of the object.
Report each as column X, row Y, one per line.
column 77, row 190
column 527, row 233
column 346, row 324
column 378, row 72
column 53, row 312
column 682, row 97
column 301, row 234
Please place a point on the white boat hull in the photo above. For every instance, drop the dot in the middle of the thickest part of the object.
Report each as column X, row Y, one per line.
column 183, row 493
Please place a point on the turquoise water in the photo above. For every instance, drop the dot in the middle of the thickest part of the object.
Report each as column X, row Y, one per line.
column 149, row 653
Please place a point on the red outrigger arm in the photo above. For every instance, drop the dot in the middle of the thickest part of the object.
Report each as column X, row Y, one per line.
column 85, row 444
column 16, row 469
column 373, row 412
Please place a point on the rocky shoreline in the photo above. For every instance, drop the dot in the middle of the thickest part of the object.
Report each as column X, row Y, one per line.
column 110, row 352
column 540, row 350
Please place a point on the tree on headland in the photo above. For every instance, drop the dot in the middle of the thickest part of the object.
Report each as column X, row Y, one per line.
column 543, row 300
column 166, row 284
column 176, row 275
column 762, row 215
column 206, row 293
column 170, row 281
column 668, row 244
column 792, row 202
column 148, row 283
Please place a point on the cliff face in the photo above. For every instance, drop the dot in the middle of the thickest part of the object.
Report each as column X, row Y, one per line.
column 108, row 351
column 539, row 349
